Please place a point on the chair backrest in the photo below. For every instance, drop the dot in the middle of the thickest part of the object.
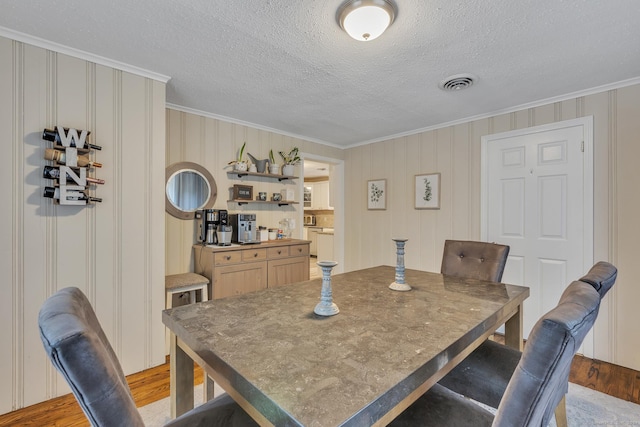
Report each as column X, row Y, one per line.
column 542, row 375
column 79, row 349
column 474, row 260
column 602, row 276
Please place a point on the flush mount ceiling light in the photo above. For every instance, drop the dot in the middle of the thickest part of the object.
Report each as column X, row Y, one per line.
column 365, row 20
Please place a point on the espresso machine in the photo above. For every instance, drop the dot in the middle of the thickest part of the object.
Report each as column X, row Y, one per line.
column 245, row 230
column 213, row 225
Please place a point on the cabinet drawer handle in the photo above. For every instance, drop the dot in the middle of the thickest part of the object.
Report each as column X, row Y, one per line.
column 228, row 257
column 255, row 254
column 299, row 250
column 279, row 252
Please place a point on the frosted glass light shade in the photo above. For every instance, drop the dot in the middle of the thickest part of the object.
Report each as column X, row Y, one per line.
column 365, row 20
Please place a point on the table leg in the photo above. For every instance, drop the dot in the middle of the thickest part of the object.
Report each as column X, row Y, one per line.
column 513, row 330
column 209, row 388
column 181, row 379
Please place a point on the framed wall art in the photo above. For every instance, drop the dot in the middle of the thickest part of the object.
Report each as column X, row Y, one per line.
column 427, row 191
column 377, row 194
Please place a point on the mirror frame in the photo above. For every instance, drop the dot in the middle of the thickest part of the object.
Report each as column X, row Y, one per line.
column 175, row 168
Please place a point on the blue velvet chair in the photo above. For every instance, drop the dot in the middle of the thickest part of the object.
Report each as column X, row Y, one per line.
column 474, row 260
column 79, row 349
column 539, row 380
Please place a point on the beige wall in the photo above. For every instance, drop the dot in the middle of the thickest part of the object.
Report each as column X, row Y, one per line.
column 213, row 143
column 113, row 251
column 455, row 152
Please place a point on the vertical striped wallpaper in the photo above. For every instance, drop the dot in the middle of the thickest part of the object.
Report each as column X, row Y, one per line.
column 212, row 143
column 454, row 151
column 113, row 251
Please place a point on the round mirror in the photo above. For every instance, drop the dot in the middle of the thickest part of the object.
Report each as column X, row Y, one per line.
column 189, row 187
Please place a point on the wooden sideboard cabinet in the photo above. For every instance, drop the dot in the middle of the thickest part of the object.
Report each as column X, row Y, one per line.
column 234, row 270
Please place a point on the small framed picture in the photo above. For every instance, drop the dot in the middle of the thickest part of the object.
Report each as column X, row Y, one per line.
column 377, row 194
column 242, row 192
column 427, row 191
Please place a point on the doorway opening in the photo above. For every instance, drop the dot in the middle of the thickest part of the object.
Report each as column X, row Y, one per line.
column 322, row 215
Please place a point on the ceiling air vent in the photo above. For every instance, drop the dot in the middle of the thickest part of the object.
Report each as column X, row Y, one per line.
column 457, row 82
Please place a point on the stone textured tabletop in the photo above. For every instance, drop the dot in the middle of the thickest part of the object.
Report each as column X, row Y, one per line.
column 298, row 368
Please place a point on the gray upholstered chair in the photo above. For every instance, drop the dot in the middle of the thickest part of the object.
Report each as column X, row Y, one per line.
column 474, row 260
column 602, row 276
column 479, row 376
column 79, row 349
column 539, row 381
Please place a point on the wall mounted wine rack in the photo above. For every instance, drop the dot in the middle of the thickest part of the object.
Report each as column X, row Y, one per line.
column 70, row 154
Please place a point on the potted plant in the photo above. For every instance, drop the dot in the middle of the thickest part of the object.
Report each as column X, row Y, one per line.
column 240, row 164
column 274, row 168
column 290, row 160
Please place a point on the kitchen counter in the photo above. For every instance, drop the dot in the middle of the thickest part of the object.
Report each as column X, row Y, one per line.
column 265, row 244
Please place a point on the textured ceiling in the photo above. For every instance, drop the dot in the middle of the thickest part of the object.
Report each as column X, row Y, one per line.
column 287, row 66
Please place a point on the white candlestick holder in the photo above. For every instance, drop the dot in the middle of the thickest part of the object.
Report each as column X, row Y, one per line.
column 399, row 284
column 326, row 306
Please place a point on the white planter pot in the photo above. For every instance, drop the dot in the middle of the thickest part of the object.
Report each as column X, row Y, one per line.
column 240, row 167
column 287, row 170
column 274, row 169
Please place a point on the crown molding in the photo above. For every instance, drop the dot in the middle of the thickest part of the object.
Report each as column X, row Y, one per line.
column 76, row 53
column 534, row 104
column 248, row 124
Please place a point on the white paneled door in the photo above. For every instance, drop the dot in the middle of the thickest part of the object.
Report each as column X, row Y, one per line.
column 537, row 199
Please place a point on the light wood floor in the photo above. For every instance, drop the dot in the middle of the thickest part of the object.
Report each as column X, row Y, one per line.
column 153, row 384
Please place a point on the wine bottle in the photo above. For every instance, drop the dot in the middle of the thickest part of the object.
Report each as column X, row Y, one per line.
column 54, row 136
column 60, row 157
column 52, row 172
column 71, row 196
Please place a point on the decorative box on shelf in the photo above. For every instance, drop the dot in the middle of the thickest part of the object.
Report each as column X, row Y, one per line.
column 242, row 192
column 288, row 194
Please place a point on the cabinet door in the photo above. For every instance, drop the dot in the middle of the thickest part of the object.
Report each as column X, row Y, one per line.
column 288, row 270
column 308, row 196
column 239, row 279
column 321, row 195
column 313, row 238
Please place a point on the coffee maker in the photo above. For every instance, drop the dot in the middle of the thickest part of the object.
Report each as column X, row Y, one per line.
column 212, row 221
column 244, row 228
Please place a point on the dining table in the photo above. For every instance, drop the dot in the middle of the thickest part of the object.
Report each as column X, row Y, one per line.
column 287, row 366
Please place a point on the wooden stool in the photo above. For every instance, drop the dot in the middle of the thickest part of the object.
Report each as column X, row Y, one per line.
column 181, row 283
column 186, row 282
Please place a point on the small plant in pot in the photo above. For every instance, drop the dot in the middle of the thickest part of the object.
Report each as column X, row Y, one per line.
column 274, row 168
column 290, row 160
column 240, row 164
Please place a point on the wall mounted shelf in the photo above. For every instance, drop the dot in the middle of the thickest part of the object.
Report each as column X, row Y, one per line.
column 241, row 174
column 263, row 202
